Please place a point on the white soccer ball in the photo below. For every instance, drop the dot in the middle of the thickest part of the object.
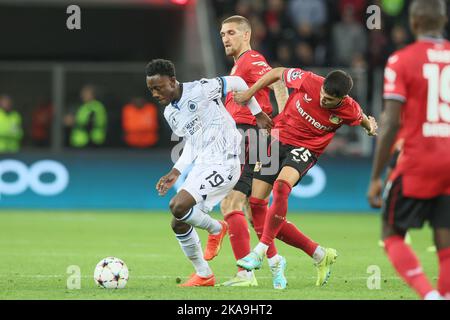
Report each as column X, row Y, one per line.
column 111, row 273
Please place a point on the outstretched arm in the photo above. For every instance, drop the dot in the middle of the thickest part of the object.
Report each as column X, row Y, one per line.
column 266, row 80
column 233, row 84
column 281, row 94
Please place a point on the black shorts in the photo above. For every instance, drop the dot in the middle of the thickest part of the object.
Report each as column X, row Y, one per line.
column 249, row 159
column 299, row 158
column 405, row 213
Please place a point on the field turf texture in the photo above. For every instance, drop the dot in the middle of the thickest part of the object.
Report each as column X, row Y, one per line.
column 37, row 247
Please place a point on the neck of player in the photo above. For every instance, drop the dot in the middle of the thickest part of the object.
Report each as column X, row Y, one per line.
column 436, row 34
column 242, row 51
column 178, row 92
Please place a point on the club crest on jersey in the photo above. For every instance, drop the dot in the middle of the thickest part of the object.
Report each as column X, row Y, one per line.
column 233, row 70
column 335, row 119
column 192, row 106
column 294, row 74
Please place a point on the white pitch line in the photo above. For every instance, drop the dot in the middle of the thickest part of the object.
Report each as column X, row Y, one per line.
column 178, row 276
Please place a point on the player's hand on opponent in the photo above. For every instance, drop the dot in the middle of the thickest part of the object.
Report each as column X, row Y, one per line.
column 373, row 126
column 263, row 121
column 166, row 182
column 242, row 97
column 374, row 193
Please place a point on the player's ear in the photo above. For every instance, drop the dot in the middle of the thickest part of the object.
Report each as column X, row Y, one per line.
column 173, row 81
column 247, row 35
column 413, row 24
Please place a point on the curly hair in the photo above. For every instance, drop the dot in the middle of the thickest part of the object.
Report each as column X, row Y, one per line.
column 161, row 67
column 338, row 83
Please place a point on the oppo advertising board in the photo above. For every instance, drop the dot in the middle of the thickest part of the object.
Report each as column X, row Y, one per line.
column 127, row 181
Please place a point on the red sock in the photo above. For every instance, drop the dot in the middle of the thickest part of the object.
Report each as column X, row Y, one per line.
column 289, row 233
column 444, row 272
column 259, row 211
column 238, row 233
column 407, row 265
column 276, row 215
column 294, row 237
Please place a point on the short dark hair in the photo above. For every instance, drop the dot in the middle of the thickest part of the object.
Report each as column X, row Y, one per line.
column 338, row 83
column 161, row 67
column 432, row 14
column 243, row 21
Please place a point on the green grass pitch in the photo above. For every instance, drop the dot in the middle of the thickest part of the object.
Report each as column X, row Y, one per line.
column 36, row 248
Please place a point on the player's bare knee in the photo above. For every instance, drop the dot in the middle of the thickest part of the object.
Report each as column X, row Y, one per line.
column 233, row 202
column 280, row 186
column 172, row 205
column 442, row 238
column 236, row 205
column 387, row 231
column 238, row 202
column 390, row 230
column 178, row 208
column 225, row 205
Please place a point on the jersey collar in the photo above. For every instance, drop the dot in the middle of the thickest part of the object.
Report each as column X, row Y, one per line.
column 243, row 54
column 175, row 102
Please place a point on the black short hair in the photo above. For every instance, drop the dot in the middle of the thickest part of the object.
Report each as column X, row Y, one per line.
column 338, row 83
column 161, row 67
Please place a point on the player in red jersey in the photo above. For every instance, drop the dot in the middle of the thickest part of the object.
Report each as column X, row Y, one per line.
column 250, row 65
column 316, row 108
column 417, row 99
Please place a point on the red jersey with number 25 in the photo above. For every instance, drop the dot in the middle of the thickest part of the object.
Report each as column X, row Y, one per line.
column 250, row 66
column 303, row 122
column 419, row 76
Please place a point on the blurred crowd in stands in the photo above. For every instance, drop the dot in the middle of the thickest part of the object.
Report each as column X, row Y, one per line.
column 290, row 33
column 321, row 33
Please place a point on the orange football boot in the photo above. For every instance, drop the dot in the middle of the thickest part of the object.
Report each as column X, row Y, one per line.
column 215, row 242
column 196, row 281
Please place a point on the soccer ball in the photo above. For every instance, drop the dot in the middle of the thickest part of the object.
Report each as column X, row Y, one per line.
column 111, row 273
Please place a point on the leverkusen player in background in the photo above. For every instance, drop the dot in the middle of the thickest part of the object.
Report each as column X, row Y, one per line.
column 316, row 108
column 417, row 98
column 250, row 65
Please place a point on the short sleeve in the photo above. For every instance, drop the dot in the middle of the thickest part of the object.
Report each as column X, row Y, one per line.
column 213, row 88
column 394, row 79
column 355, row 115
column 294, row 77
